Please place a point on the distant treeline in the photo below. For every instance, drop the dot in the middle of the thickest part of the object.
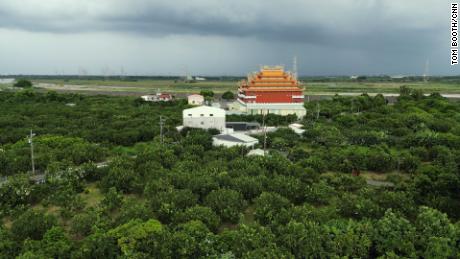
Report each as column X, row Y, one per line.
column 383, row 78
column 115, row 77
column 360, row 78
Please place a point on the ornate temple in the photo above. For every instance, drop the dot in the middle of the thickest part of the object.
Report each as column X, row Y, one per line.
column 271, row 90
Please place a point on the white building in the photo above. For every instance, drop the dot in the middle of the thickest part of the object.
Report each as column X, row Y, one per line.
column 7, row 80
column 234, row 139
column 297, row 128
column 157, row 97
column 150, row 98
column 204, row 117
column 195, row 99
column 256, row 152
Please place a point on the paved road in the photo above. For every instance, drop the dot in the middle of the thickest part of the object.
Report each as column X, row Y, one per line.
column 124, row 90
column 41, row 177
column 380, row 183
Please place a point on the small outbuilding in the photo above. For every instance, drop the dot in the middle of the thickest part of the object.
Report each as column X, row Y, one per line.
column 297, row 128
column 195, row 99
column 204, row 117
column 234, row 139
column 256, row 152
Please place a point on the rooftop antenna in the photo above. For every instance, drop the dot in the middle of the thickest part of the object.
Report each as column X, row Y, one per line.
column 427, row 68
column 122, row 73
column 294, row 67
column 82, row 72
column 32, row 158
column 105, row 71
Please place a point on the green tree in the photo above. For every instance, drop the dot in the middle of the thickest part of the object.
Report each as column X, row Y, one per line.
column 17, row 192
column 394, row 234
column 193, row 240
column 436, row 234
column 268, row 206
column 98, row 245
column 82, row 224
column 207, row 93
column 349, row 238
column 228, row 95
column 304, row 240
column 228, row 204
column 137, row 239
column 132, row 208
column 55, row 243
column 201, row 213
column 122, row 176
column 8, row 246
column 166, row 204
column 112, row 200
column 23, row 83
column 246, row 238
column 32, row 224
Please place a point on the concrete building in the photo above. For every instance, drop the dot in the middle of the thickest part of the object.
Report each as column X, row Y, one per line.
column 195, row 99
column 204, row 117
column 7, row 80
column 234, row 139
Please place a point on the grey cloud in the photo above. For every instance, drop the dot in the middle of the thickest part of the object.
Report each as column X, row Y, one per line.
column 373, row 29
column 263, row 20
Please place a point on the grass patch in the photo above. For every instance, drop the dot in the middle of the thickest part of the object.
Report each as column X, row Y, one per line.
column 92, row 195
column 248, row 215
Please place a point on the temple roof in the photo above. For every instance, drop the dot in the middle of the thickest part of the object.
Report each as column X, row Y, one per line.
column 271, row 79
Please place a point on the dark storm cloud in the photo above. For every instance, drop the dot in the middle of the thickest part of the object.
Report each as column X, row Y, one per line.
column 373, row 27
column 298, row 21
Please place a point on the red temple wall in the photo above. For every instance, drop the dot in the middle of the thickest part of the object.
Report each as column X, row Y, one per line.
column 275, row 97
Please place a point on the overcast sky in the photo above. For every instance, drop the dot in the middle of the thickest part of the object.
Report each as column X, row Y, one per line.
column 224, row 37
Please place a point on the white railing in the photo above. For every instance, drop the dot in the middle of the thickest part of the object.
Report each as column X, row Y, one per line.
column 246, row 96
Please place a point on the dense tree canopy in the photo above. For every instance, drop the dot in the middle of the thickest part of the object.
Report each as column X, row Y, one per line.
column 366, row 180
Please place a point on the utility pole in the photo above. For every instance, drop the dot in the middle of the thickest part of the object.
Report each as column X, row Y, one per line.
column 294, row 67
column 30, row 138
column 425, row 73
column 161, row 129
column 318, row 108
column 265, row 132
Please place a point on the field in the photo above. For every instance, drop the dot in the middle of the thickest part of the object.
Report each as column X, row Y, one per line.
column 143, row 86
